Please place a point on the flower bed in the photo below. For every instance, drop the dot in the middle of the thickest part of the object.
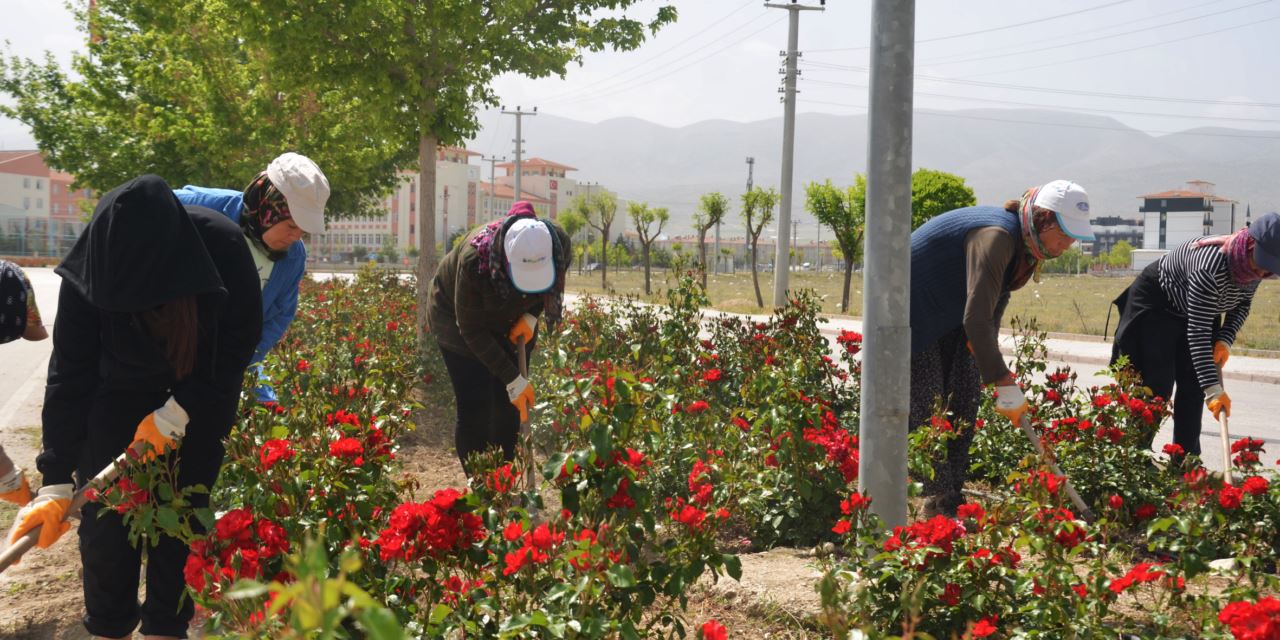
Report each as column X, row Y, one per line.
column 667, row 442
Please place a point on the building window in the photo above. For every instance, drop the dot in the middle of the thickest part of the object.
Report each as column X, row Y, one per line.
column 53, row 188
column 26, row 183
column 26, row 203
column 39, row 203
column 39, row 184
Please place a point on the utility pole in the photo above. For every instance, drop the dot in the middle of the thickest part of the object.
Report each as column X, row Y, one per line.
column 518, row 113
column 819, row 241
column 783, row 254
column 886, row 306
column 751, row 166
column 446, row 219
column 493, row 186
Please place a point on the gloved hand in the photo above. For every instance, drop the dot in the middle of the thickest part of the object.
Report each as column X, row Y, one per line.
column 14, row 487
column 1216, row 398
column 162, row 427
column 520, row 392
column 525, row 326
column 48, row 511
column 1221, row 351
column 1011, row 402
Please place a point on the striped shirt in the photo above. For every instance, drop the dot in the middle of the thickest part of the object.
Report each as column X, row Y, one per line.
column 1198, row 283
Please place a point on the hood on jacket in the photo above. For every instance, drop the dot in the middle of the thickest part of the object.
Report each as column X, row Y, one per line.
column 140, row 250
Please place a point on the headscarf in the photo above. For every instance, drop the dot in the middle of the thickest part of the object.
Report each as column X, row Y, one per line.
column 17, row 303
column 264, row 207
column 139, row 251
column 493, row 259
column 1238, row 247
column 1029, row 263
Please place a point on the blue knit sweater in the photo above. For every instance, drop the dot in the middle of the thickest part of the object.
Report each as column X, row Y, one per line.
column 939, row 288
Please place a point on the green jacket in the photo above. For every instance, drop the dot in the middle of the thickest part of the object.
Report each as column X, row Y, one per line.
column 467, row 314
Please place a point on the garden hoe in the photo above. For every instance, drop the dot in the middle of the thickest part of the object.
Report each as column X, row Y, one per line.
column 1226, row 440
column 100, row 482
column 526, row 438
column 1053, row 466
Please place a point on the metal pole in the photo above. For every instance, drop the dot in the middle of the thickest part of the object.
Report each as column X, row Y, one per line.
column 519, row 114
column 493, row 185
column 886, row 307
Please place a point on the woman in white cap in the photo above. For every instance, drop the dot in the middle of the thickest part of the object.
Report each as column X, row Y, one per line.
column 1171, row 324
column 964, row 264
column 19, row 318
column 274, row 210
column 487, row 294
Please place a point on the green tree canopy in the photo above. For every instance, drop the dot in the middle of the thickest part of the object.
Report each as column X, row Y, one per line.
column 712, row 208
column 843, row 211
column 932, row 192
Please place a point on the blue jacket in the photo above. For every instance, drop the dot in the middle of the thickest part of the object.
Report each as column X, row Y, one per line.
column 280, row 295
column 939, row 289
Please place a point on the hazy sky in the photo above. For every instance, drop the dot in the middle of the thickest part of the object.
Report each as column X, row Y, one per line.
column 1187, row 63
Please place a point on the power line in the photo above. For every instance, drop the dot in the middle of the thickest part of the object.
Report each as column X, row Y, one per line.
column 945, row 114
column 991, row 29
column 1038, row 49
column 716, row 23
column 1055, row 106
column 1054, row 90
column 615, row 83
column 1129, row 50
column 628, row 87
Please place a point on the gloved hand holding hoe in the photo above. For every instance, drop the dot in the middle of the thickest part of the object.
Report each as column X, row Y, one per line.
column 1012, row 404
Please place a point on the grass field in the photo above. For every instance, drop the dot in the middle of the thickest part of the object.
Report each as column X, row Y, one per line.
column 1068, row 304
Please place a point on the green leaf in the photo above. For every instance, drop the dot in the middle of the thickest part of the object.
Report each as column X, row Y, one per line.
column 621, row 576
column 246, row 589
column 733, row 565
column 439, row 613
column 381, row 625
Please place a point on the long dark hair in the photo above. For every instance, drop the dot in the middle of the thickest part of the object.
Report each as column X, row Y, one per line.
column 175, row 325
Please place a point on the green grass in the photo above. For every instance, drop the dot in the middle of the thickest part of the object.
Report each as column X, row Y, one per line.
column 1067, row 304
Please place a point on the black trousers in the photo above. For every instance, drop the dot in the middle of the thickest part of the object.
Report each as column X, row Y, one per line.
column 1155, row 339
column 111, row 563
column 946, row 370
column 486, row 417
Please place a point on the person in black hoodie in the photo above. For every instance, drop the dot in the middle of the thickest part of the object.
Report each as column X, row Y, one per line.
column 158, row 315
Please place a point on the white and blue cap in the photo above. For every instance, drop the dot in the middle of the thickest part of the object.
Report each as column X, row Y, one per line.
column 529, row 250
column 1071, row 204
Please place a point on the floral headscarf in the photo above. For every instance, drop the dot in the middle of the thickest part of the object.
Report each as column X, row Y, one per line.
column 493, row 260
column 264, row 207
column 1238, row 247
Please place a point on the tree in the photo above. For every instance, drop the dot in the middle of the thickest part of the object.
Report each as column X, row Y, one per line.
column 195, row 105
column 643, row 217
column 711, row 210
column 390, row 252
column 359, row 253
column 434, row 62
column 757, row 212
column 1121, row 255
column 934, row 192
column 599, row 211
column 844, row 212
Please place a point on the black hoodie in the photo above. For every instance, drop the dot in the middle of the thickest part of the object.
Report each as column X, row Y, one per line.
column 142, row 249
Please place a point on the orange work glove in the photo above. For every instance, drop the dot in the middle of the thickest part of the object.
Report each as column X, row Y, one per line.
column 14, row 487
column 1221, row 351
column 48, row 511
column 162, row 427
column 1218, row 401
column 525, row 326
column 520, row 392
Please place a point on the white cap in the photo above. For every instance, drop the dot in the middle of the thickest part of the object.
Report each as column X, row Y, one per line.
column 529, row 256
column 1071, row 203
column 304, row 187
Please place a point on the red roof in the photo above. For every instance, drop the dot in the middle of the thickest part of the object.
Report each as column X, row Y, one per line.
column 507, row 192
column 1177, row 193
column 460, row 150
column 28, row 162
column 538, row 162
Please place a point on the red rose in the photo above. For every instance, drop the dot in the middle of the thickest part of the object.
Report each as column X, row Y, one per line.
column 1255, row 485
column 696, row 407
column 1229, row 497
column 1174, row 450
column 1145, row 512
column 984, row 627
column 712, row 375
column 348, row 448
column 712, row 630
column 1116, row 502
column 950, row 594
column 274, row 451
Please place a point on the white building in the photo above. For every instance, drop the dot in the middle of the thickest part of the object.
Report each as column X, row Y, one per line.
column 1171, row 218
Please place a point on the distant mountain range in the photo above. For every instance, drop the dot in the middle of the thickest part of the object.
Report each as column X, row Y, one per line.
column 999, row 152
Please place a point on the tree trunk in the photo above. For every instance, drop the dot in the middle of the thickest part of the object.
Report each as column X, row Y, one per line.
column 848, row 275
column 604, row 257
column 646, row 270
column 702, row 251
column 426, row 228
column 755, row 277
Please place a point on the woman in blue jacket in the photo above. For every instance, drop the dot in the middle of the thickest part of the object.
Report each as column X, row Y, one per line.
column 281, row 203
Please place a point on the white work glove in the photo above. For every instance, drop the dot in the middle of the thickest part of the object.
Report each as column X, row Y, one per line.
column 1011, row 402
column 14, row 487
column 520, row 393
column 48, row 511
column 162, row 427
